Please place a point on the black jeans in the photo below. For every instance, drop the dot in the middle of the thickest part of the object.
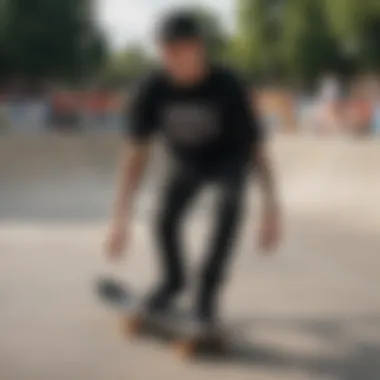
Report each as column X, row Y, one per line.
column 183, row 185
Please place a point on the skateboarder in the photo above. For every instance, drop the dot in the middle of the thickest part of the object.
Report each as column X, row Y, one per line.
column 206, row 117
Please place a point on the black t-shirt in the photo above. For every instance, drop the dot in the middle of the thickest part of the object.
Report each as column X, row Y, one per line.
column 204, row 124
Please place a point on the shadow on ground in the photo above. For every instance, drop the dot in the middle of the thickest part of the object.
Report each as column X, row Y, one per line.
column 360, row 362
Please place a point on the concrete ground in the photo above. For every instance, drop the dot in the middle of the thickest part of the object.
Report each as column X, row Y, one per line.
column 311, row 312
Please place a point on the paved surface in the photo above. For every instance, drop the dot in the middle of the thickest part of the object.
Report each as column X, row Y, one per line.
column 312, row 312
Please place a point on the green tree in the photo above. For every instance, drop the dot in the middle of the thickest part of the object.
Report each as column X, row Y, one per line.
column 357, row 25
column 126, row 65
column 45, row 38
column 3, row 60
column 309, row 46
column 369, row 53
column 292, row 39
column 258, row 43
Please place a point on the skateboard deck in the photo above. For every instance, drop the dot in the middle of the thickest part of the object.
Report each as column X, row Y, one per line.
column 134, row 320
column 175, row 327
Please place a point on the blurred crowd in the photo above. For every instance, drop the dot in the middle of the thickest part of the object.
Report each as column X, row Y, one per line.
column 61, row 110
column 327, row 110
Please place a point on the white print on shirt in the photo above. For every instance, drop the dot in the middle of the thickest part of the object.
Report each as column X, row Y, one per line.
column 191, row 124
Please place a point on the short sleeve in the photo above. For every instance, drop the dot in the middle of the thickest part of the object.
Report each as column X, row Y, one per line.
column 141, row 120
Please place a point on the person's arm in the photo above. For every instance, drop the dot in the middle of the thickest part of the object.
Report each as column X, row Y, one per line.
column 266, row 178
column 262, row 161
column 133, row 161
column 140, row 126
column 249, row 125
column 271, row 219
column 270, row 227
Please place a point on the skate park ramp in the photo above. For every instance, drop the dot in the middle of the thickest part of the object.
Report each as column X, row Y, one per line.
column 310, row 312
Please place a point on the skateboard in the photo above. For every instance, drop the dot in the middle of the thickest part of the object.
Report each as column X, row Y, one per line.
column 175, row 327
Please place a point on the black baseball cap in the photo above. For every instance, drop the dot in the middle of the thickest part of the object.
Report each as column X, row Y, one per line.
column 179, row 26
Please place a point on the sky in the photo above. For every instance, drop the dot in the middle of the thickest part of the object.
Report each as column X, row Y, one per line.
column 127, row 21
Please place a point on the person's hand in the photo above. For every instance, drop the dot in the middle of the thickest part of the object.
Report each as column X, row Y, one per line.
column 270, row 231
column 117, row 240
